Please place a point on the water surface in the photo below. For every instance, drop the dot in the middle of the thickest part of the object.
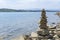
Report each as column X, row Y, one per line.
column 16, row 23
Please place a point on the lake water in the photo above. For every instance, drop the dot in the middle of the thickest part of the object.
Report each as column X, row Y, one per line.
column 17, row 23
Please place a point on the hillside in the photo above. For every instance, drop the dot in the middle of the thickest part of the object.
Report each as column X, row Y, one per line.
column 14, row 10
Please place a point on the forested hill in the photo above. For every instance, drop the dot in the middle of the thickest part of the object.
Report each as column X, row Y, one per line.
column 14, row 10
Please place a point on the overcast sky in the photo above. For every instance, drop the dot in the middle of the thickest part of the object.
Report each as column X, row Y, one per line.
column 30, row 4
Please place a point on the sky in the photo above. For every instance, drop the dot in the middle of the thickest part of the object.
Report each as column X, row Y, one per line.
column 30, row 4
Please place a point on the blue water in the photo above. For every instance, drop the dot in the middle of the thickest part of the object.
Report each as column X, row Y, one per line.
column 16, row 23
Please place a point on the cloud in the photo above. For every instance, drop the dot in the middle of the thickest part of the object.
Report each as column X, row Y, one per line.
column 50, row 4
column 30, row 4
column 17, row 4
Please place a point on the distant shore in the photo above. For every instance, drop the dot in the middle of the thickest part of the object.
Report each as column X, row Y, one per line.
column 22, row 10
